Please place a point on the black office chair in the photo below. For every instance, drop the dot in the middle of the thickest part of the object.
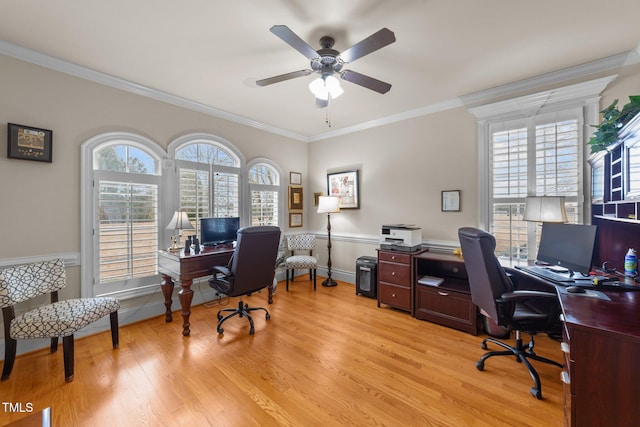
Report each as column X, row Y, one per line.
column 251, row 268
column 494, row 293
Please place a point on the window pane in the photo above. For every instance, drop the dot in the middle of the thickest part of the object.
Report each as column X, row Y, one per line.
column 263, row 174
column 264, row 208
column 194, row 195
column 509, row 154
column 225, row 194
column 128, row 230
column 124, row 158
column 206, row 153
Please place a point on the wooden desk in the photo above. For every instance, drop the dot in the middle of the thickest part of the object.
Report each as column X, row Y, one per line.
column 185, row 268
column 602, row 357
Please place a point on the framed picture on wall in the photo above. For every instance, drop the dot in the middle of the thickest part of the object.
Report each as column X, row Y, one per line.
column 29, row 143
column 345, row 186
column 295, row 219
column 295, row 197
column 295, row 178
column 451, row 201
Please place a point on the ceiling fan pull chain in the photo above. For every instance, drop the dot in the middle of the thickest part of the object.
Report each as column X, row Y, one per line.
column 327, row 120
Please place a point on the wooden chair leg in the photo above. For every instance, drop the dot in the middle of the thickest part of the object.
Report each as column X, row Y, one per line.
column 10, row 346
column 54, row 344
column 286, row 273
column 310, row 274
column 67, row 349
column 115, row 334
column 315, row 272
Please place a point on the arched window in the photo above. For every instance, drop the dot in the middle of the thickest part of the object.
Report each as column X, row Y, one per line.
column 209, row 171
column 121, row 209
column 264, row 190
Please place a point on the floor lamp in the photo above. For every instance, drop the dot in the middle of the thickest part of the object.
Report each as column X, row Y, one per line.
column 329, row 205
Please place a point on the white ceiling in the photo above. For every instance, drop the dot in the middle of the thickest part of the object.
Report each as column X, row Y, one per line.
column 211, row 52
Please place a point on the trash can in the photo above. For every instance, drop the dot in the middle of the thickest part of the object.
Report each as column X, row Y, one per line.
column 366, row 276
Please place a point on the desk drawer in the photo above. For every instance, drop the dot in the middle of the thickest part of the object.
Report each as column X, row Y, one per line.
column 394, row 257
column 446, row 307
column 391, row 272
column 394, row 295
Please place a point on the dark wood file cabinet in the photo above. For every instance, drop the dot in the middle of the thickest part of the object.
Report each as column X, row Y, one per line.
column 395, row 279
column 448, row 304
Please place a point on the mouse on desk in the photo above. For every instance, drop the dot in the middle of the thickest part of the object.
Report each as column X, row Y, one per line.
column 575, row 290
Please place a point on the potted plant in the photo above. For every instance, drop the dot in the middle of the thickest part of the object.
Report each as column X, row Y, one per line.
column 613, row 120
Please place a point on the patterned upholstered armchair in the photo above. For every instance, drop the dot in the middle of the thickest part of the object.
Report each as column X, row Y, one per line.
column 58, row 319
column 300, row 247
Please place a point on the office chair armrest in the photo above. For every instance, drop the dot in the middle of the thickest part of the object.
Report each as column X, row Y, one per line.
column 515, row 296
column 221, row 269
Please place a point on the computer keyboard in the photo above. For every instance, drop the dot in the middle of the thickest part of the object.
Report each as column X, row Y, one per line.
column 607, row 286
column 545, row 273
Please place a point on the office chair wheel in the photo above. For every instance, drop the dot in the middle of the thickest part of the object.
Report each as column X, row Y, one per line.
column 535, row 392
column 480, row 366
column 483, row 345
column 267, row 316
column 220, row 330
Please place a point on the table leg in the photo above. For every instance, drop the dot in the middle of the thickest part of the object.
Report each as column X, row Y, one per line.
column 186, row 296
column 270, row 288
column 167, row 290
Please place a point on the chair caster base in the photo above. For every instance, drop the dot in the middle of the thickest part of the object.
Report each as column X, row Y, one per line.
column 480, row 366
column 535, row 392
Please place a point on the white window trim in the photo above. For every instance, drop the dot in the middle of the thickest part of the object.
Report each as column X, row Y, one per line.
column 584, row 95
column 87, row 239
column 282, row 193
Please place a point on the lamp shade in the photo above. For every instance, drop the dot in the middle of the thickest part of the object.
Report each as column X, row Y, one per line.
column 180, row 221
column 328, row 204
column 545, row 209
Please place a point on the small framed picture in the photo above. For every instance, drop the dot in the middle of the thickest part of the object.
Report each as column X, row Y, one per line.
column 295, row 197
column 29, row 143
column 295, row 219
column 316, row 198
column 451, row 201
column 345, row 186
column 295, row 178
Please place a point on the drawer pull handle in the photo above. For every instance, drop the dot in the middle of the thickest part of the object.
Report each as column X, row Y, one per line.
column 393, row 257
column 444, row 294
column 455, row 269
column 565, row 378
column 393, row 295
column 393, row 273
column 564, row 347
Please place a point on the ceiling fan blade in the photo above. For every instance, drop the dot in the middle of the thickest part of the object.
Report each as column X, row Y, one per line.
column 283, row 77
column 294, row 41
column 365, row 81
column 372, row 43
column 322, row 103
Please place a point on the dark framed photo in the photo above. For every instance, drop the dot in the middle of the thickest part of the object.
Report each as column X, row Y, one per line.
column 295, row 219
column 295, row 197
column 345, row 186
column 451, row 201
column 29, row 143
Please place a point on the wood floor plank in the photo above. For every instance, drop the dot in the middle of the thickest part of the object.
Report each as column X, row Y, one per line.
column 326, row 358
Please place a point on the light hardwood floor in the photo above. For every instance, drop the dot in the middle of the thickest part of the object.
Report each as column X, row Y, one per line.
column 326, row 358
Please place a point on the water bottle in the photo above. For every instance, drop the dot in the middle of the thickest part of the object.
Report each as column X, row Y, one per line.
column 631, row 263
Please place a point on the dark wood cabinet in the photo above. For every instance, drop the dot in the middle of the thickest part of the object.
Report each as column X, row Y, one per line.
column 449, row 303
column 395, row 279
column 601, row 344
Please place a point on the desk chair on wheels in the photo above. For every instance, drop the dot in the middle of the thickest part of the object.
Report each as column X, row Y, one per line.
column 519, row 310
column 250, row 269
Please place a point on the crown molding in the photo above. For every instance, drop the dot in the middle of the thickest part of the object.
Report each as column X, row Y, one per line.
column 607, row 64
column 76, row 70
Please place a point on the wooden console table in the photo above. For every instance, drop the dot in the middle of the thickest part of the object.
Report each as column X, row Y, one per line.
column 184, row 268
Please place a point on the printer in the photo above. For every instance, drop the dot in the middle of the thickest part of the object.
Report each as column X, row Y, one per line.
column 400, row 237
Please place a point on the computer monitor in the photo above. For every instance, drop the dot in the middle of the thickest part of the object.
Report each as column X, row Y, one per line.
column 567, row 245
column 216, row 231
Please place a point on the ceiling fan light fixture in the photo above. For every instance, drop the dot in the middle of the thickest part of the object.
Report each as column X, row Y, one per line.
column 324, row 86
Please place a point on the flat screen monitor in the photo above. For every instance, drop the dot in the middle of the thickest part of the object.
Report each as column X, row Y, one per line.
column 567, row 245
column 216, row 231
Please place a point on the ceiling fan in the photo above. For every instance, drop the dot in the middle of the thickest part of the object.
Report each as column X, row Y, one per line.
column 327, row 61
